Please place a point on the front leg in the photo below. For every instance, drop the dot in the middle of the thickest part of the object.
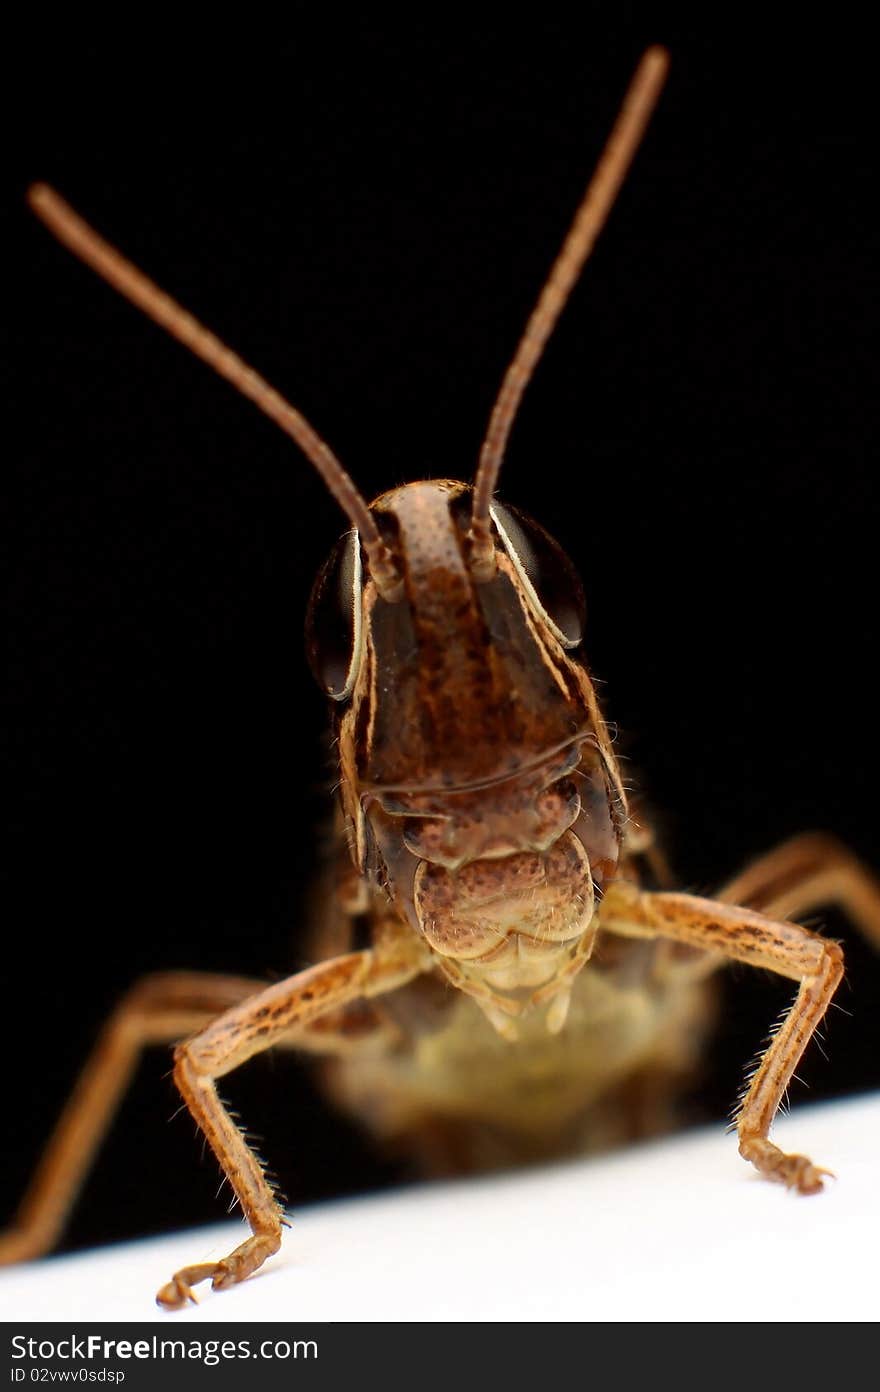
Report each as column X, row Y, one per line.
column 786, row 948
column 236, row 1036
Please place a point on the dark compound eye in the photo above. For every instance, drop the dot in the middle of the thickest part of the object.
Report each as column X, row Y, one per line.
column 549, row 579
column 333, row 620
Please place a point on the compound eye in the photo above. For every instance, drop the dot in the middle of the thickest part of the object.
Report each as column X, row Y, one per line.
column 551, row 583
column 333, row 621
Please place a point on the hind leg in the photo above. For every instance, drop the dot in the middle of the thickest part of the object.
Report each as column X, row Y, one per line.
column 806, row 873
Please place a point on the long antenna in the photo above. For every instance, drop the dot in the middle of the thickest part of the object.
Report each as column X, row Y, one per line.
column 84, row 242
column 638, row 104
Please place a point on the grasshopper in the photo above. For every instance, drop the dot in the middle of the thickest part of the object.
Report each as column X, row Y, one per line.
column 502, row 967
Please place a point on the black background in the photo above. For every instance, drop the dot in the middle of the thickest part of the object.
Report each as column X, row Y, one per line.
column 366, row 211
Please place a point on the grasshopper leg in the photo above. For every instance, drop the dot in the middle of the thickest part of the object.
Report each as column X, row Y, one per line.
column 745, row 936
column 247, row 1029
column 157, row 1010
column 160, row 1009
column 809, row 872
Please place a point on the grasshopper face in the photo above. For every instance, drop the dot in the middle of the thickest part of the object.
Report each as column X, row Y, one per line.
column 477, row 780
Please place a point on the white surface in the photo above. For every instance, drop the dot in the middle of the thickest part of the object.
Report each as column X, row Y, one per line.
column 675, row 1230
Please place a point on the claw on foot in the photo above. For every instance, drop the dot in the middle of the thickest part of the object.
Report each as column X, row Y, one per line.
column 178, row 1291
column 174, row 1295
column 794, row 1171
column 807, row 1178
column 236, row 1267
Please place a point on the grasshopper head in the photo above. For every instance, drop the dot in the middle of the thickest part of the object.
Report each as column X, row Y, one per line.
column 477, row 777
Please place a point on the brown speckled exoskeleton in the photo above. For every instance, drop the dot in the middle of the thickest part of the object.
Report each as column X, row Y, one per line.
column 502, row 967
